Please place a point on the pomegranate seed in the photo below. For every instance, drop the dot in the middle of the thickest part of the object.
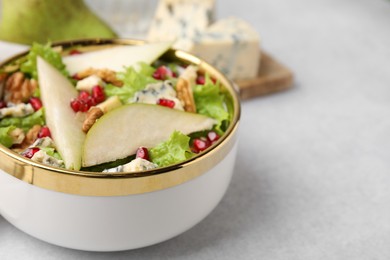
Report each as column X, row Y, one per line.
column 75, row 104
column 90, row 102
column 84, row 105
column 44, row 132
column 98, row 94
column 83, row 102
column 166, row 102
column 83, row 95
column 142, row 153
column 212, row 136
column 36, row 103
column 79, row 105
column 162, row 73
column 200, row 145
column 200, row 80
column 208, row 143
column 29, row 152
column 3, row 104
column 75, row 52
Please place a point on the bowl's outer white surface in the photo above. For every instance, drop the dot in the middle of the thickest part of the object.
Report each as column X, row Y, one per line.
column 113, row 223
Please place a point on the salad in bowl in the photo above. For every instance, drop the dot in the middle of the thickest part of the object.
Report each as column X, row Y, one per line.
column 113, row 144
column 112, row 109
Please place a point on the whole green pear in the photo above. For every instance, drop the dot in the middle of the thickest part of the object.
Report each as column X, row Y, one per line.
column 27, row 21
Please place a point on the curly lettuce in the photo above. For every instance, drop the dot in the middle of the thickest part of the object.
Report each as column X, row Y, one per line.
column 5, row 135
column 211, row 102
column 134, row 79
column 175, row 150
column 25, row 123
column 46, row 52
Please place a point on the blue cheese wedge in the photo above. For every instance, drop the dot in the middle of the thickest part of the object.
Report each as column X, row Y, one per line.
column 181, row 19
column 231, row 45
column 135, row 165
column 155, row 91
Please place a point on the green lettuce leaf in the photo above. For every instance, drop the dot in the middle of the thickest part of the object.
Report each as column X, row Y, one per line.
column 134, row 79
column 211, row 102
column 176, row 149
column 46, row 52
column 5, row 138
column 25, row 123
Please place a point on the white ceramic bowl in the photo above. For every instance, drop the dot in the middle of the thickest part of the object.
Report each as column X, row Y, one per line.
column 97, row 212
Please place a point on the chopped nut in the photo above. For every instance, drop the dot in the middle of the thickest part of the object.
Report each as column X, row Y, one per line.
column 18, row 88
column 92, row 115
column 106, row 75
column 17, row 136
column 31, row 135
column 29, row 139
column 98, row 111
column 184, row 88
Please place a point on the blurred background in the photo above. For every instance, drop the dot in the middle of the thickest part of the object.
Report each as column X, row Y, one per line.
column 130, row 18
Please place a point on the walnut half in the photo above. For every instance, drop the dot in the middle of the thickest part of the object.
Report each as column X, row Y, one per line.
column 106, row 75
column 18, row 88
column 184, row 88
column 92, row 115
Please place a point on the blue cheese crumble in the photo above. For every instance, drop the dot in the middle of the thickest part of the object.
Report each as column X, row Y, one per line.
column 16, row 110
column 155, row 91
column 135, row 165
column 42, row 156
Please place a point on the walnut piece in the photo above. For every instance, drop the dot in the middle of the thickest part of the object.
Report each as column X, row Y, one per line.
column 17, row 136
column 29, row 138
column 106, row 75
column 92, row 115
column 32, row 135
column 18, row 88
column 184, row 89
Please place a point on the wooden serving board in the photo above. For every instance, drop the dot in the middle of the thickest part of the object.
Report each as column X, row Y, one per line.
column 272, row 77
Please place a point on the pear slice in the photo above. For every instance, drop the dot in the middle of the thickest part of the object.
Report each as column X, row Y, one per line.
column 115, row 58
column 56, row 93
column 120, row 132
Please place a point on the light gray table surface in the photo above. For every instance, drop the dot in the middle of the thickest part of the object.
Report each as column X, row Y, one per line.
column 312, row 178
